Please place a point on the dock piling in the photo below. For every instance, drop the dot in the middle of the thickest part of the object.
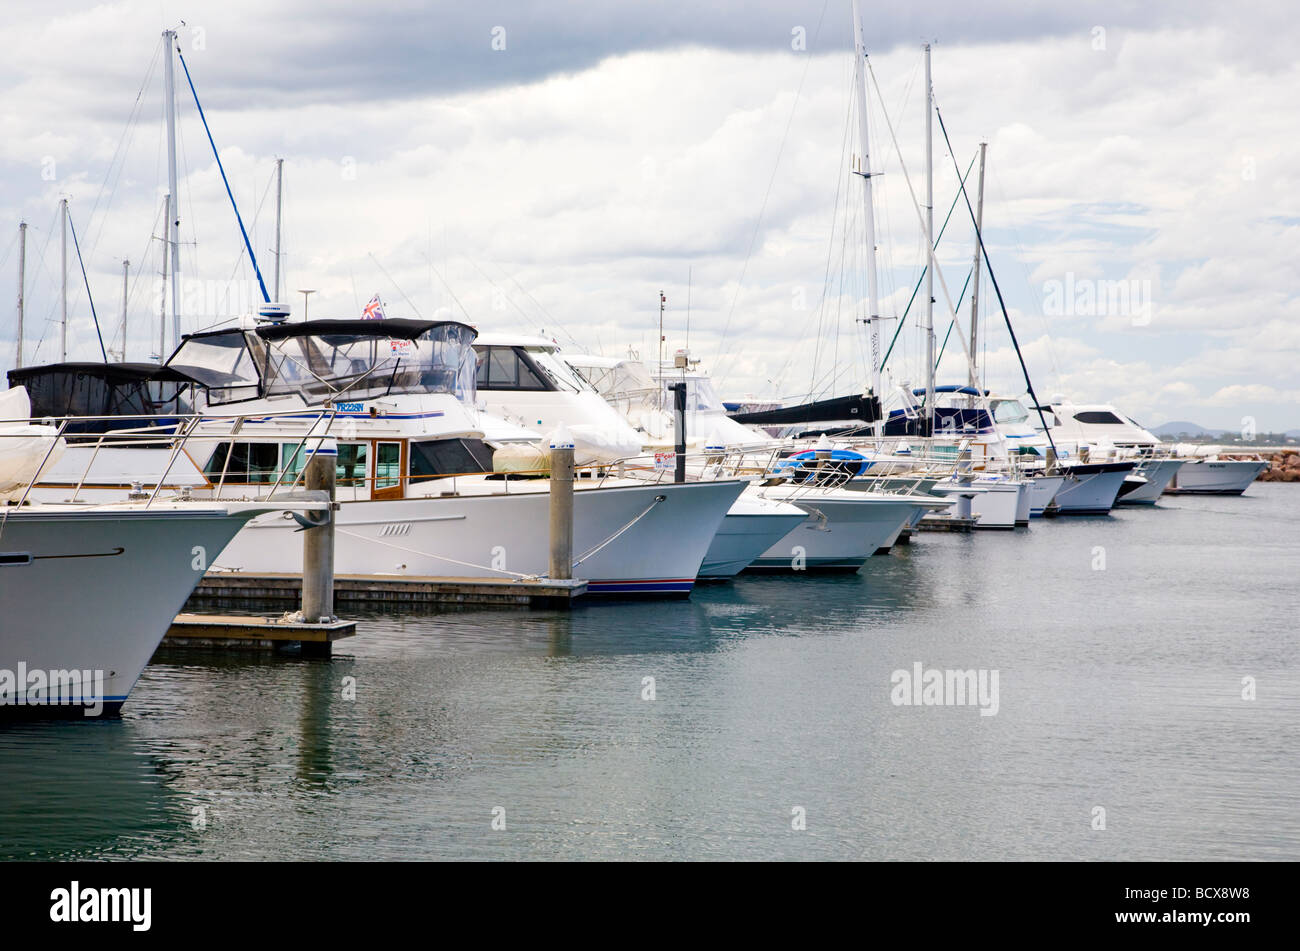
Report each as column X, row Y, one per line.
column 318, row 540
column 561, row 566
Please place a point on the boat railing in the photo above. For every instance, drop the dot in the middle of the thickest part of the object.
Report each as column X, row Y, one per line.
column 182, row 431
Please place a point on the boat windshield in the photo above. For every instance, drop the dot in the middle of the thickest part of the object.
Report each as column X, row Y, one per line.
column 559, row 372
column 1009, row 411
column 225, row 362
column 329, row 366
column 625, row 378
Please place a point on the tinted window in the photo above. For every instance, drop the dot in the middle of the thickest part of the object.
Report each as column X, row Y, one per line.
column 1099, row 418
column 442, row 457
column 501, row 368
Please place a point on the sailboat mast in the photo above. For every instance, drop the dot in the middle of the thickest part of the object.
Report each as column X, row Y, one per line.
column 279, row 192
column 929, row 245
column 975, row 275
column 126, row 267
column 873, row 298
column 63, row 277
column 22, row 283
column 173, row 211
column 162, row 303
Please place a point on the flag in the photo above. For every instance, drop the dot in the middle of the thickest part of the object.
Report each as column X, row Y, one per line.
column 374, row 310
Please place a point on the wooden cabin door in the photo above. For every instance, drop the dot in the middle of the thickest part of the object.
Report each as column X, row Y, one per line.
column 389, row 471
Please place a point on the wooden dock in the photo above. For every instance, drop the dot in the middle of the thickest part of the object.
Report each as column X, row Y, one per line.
column 393, row 589
column 945, row 523
column 257, row 633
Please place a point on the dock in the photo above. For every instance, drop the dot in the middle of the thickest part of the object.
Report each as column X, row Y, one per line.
column 257, row 633
column 945, row 523
column 394, row 589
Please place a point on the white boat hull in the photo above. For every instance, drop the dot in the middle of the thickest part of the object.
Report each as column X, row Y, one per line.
column 1042, row 490
column 503, row 535
column 752, row 526
column 843, row 529
column 1091, row 488
column 91, row 591
column 1159, row 473
column 1205, row 477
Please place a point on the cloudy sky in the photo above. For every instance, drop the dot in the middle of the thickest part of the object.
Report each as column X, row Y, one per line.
column 550, row 167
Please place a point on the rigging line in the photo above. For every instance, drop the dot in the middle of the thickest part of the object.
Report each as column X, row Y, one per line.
column 438, row 274
column 528, row 317
column 726, row 327
column 1024, row 268
column 77, row 247
column 931, row 257
column 984, row 251
column 779, row 377
column 919, row 280
column 408, row 300
column 123, row 146
column 952, row 323
column 221, row 168
column 549, row 316
column 257, row 213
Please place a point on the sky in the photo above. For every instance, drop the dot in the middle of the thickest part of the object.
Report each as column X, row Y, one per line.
column 550, row 168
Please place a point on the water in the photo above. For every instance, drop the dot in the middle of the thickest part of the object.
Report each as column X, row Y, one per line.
column 1119, row 688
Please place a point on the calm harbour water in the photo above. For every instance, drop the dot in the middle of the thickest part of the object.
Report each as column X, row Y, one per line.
column 1119, row 688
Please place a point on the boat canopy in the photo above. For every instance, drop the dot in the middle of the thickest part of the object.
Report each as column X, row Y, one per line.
column 101, row 389
column 328, row 360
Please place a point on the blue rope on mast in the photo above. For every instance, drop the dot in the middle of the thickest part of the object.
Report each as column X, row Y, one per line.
column 221, row 168
column 77, row 248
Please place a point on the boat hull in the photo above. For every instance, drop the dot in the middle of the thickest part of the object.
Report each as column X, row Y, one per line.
column 1159, row 473
column 841, row 532
column 96, row 592
column 1204, row 477
column 504, row 535
column 751, row 527
column 1042, row 490
column 1091, row 488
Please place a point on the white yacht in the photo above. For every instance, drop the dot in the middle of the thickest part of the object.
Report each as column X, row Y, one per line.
column 1101, row 432
column 88, row 590
column 526, row 381
column 416, row 477
column 1208, row 472
column 843, row 524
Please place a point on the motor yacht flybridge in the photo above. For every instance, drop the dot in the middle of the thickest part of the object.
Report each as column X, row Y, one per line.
column 416, row 476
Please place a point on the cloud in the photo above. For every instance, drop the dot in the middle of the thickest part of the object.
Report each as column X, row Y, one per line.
column 611, row 150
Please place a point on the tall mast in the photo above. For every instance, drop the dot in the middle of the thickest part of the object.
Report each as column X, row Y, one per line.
column 126, row 266
column 279, row 182
column 63, row 277
column 929, row 246
column 162, row 304
column 22, row 283
column 873, row 300
column 975, row 282
column 173, row 211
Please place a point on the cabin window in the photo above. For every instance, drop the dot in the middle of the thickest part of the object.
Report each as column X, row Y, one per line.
column 388, row 464
column 247, row 462
column 501, row 368
column 1099, row 418
column 432, row 459
column 351, row 469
